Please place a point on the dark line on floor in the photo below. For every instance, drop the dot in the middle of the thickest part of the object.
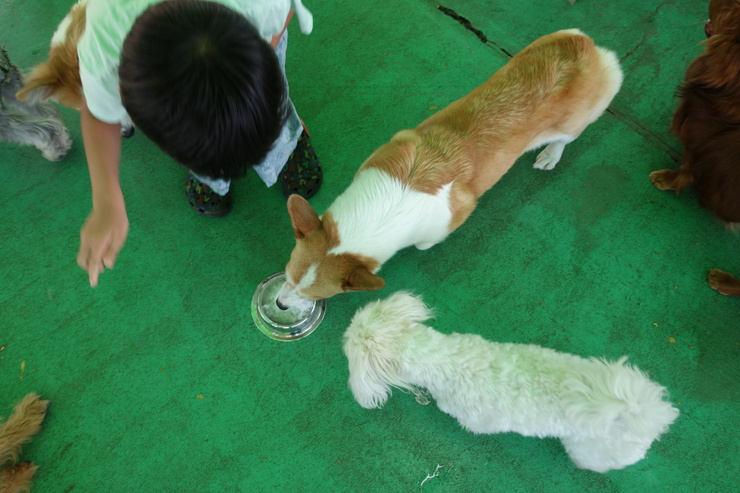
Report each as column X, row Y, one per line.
column 645, row 38
column 462, row 20
column 469, row 26
column 654, row 139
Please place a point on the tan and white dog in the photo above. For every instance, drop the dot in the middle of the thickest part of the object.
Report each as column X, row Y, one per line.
column 425, row 182
column 58, row 78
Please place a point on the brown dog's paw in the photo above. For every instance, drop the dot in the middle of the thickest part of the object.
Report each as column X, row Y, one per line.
column 18, row 477
column 723, row 282
column 32, row 406
column 664, row 179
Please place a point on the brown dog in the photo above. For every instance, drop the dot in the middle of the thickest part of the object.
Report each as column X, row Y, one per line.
column 707, row 121
column 18, row 430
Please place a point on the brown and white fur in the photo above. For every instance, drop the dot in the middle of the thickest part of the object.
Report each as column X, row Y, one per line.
column 424, row 183
column 18, row 430
column 58, row 78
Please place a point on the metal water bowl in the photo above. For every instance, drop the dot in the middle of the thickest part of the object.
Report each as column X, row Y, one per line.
column 283, row 325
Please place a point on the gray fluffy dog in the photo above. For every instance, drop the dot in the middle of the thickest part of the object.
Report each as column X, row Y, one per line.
column 37, row 124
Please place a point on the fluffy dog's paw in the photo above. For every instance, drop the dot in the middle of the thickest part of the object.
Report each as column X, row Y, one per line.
column 56, row 149
column 664, row 179
column 54, row 153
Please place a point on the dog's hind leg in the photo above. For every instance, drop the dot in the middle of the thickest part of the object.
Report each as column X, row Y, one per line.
column 604, row 453
column 550, row 155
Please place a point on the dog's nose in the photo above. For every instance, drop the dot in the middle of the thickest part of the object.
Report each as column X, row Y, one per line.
column 280, row 305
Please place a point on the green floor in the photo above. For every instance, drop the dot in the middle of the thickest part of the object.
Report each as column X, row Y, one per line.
column 159, row 381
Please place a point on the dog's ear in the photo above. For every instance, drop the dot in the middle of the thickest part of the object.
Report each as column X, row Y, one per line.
column 39, row 85
column 361, row 279
column 302, row 216
column 721, row 69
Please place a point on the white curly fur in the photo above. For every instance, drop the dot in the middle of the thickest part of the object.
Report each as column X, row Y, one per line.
column 607, row 414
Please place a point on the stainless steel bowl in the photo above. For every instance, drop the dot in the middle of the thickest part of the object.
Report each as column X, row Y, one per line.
column 283, row 325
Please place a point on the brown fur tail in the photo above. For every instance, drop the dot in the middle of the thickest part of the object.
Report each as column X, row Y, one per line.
column 21, row 426
column 59, row 77
column 17, row 479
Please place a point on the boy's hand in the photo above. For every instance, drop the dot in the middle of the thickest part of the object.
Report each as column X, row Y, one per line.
column 101, row 238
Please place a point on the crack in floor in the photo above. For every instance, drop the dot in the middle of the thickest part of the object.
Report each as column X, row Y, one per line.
column 655, row 139
column 469, row 26
column 630, row 52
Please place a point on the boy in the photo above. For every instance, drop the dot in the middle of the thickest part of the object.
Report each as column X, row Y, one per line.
column 204, row 81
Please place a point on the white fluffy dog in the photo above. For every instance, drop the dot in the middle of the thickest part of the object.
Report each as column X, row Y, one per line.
column 607, row 414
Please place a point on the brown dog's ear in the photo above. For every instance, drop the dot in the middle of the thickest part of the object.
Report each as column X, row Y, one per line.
column 720, row 68
column 361, row 279
column 302, row 216
column 39, row 85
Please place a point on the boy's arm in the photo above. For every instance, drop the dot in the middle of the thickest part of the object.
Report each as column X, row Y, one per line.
column 106, row 228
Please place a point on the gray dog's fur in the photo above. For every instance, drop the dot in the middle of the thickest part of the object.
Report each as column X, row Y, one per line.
column 37, row 124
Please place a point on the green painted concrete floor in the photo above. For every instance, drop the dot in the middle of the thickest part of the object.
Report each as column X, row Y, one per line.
column 159, row 381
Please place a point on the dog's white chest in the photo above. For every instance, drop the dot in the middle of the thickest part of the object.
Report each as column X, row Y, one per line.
column 379, row 215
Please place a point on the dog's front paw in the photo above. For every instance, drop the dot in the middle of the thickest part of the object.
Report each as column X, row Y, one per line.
column 723, row 282
column 55, row 152
column 664, row 179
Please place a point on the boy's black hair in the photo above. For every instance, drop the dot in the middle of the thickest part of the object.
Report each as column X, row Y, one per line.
column 198, row 80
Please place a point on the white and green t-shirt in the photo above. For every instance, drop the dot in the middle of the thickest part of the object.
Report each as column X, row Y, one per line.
column 109, row 21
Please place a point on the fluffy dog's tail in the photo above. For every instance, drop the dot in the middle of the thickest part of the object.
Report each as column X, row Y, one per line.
column 620, row 411
column 615, row 391
column 373, row 343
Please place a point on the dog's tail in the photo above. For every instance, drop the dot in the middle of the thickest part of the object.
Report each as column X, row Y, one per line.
column 615, row 394
column 373, row 343
column 21, row 426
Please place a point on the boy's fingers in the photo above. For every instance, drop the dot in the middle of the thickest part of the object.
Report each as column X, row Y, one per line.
column 91, row 261
column 94, row 268
column 109, row 260
column 83, row 255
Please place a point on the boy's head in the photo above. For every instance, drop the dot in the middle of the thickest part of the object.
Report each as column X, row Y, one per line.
column 198, row 80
